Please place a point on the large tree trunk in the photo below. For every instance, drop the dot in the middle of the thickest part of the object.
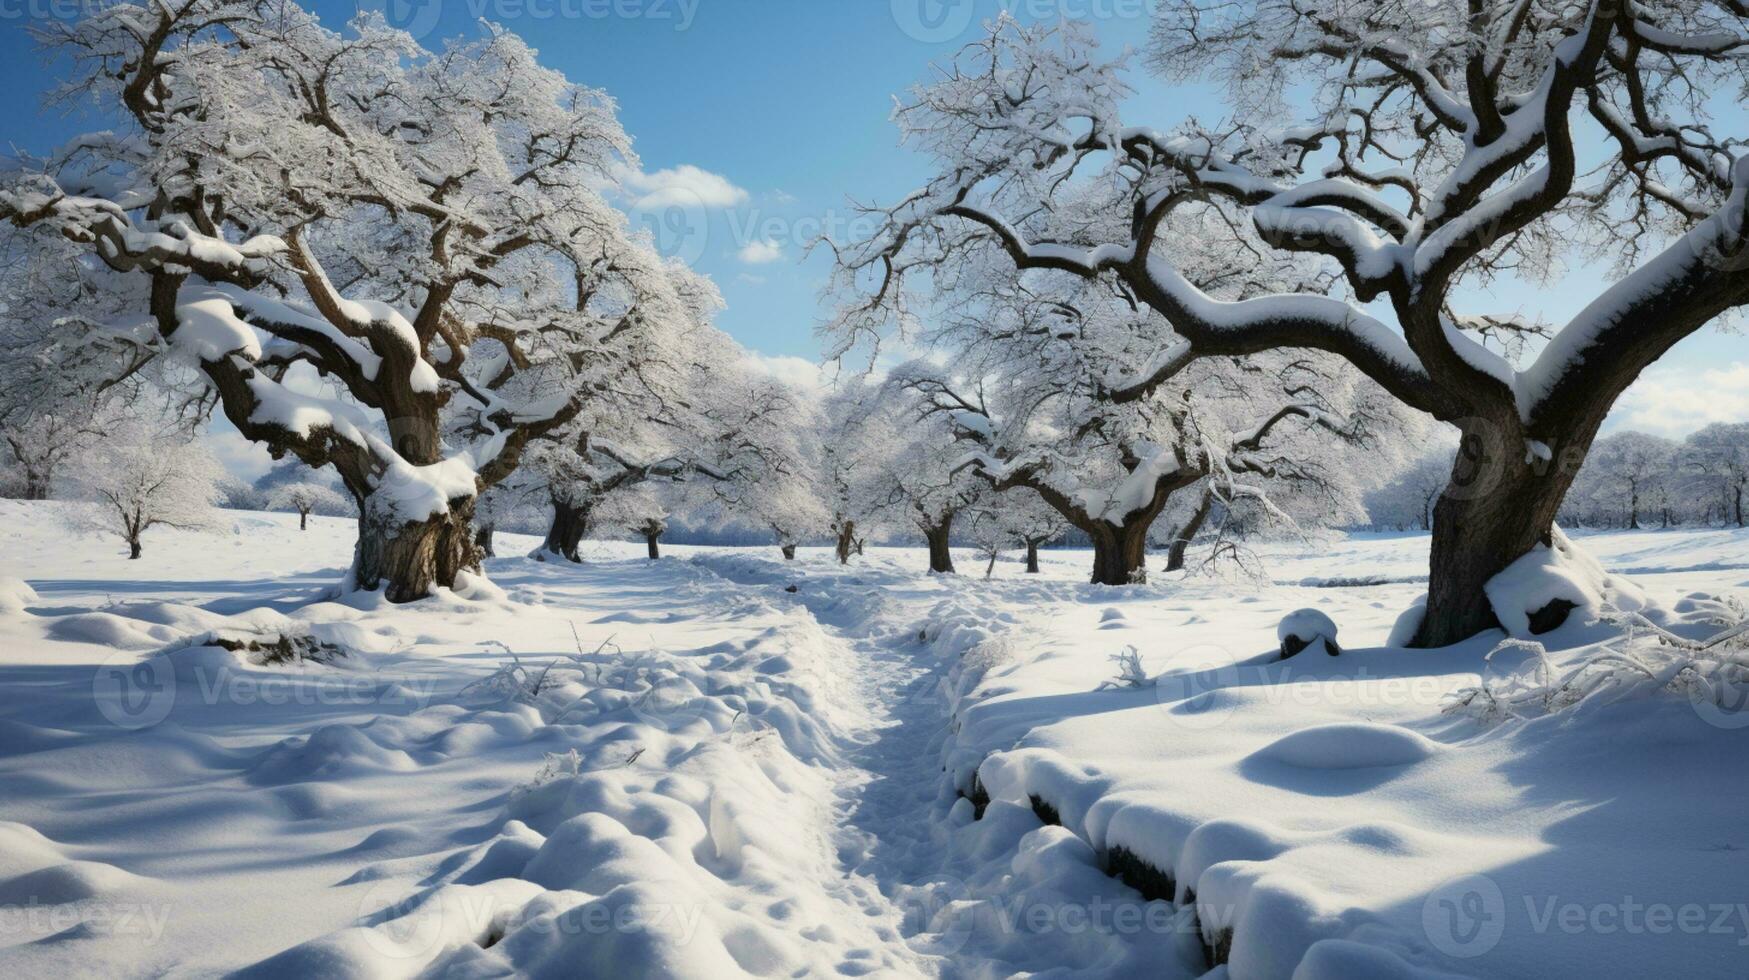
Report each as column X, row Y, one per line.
column 483, row 541
column 940, row 556
column 1496, row 508
column 1032, row 558
column 1120, row 551
column 407, row 560
column 570, row 523
column 1186, row 534
column 846, row 541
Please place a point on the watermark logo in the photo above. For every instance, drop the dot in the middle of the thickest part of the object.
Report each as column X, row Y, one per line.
column 1191, row 690
column 134, row 693
column 417, row 17
column 1465, row 917
column 933, row 21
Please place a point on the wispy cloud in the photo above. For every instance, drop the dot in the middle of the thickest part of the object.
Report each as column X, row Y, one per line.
column 760, row 253
column 681, row 186
column 1671, row 402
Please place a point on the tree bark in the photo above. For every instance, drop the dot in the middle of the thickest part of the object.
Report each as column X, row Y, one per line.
column 303, row 520
column 570, row 523
column 940, row 556
column 1120, row 550
column 1496, row 508
column 133, row 549
column 846, row 541
column 651, row 542
column 408, row 560
column 1186, row 534
column 789, row 552
column 483, row 541
column 1032, row 558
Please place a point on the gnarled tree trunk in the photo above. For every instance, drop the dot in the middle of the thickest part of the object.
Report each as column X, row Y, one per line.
column 1496, row 508
column 846, row 541
column 407, row 559
column 652, row 532
column 1120, row 551
column 483, row 540
column 565, row 534
column 940, row 556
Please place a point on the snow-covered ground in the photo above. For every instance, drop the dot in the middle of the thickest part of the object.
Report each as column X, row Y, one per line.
column 723, row 764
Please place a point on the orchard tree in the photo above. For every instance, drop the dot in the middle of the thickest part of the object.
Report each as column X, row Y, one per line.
column 422, row 230
column 307, row 499
column 140, row 477
column 1406, row 500
column 1720, row 453
column 859, row 441
column 1631, row 467
column 1437, row 153
column 921, row 481
column 1236, row 429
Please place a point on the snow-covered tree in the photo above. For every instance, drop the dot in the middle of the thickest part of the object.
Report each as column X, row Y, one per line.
column 922, row 481
column 422, row 230
column 39, row 445
column 140, row 477
column 306, row 499
column 1719, row 453
column 859, row 440
column 1631, row 468
column 1438, row 152
column 1237, row 429
column 1406, row 500
column 1014, row 519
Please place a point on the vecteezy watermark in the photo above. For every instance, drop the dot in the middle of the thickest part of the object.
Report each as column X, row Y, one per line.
column 420, row 17
column 420, row 925
column 135, row 693
column 1468, row 917
column 1465, row 917
column 35, row 919
column 940, row 21
column 1195, row 691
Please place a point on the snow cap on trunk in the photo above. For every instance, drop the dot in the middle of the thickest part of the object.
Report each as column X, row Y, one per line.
column 1555, row 573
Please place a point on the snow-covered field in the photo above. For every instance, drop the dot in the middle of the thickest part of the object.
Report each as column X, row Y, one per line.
column 723, row 764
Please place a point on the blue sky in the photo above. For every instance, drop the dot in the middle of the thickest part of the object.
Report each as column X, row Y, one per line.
column 758, row 120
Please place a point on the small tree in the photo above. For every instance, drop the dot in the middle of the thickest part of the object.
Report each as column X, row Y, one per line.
column 307, row 499
column 140, row 478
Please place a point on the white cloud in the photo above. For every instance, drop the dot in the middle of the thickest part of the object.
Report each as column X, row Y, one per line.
column 760, row 253
column 1673, row 402
column 245, row 460
column 682, row 186
column 797, row 372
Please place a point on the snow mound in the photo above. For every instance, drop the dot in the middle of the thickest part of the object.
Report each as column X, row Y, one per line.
column 108, row 629
column 1408, row 624
column 1529, row 594
column 15, row 595
column 1349, row 745
column 1304, row 627
column 58, row 884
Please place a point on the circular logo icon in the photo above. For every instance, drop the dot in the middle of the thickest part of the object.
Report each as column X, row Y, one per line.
column 938, row 915
column 399, row 925
column 678, row 222
column 1721, row 703
column 416, row 17
column 134, row 693
column 1465, row 917
column 933, row 21
column 1480, row 461
column 1191, row 688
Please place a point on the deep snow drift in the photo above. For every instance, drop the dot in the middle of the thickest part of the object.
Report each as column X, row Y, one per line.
column 684, row 768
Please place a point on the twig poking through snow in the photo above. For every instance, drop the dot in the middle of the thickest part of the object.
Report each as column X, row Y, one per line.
column 1130, row 674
